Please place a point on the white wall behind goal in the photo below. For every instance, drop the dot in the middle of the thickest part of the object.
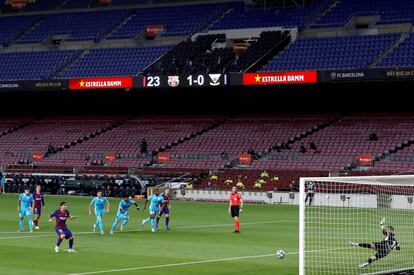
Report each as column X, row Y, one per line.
column 215, row 195
column 321, row 199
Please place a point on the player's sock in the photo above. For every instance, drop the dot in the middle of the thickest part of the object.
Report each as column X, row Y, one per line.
column 158, row 220
column 167, row 222
column 152, row 224
column 237, row 223
column 114, row 225
column 21, row 224
column 124, row 222
column 70, row 243
column 30, row 224
column 101, row 225
column 147, row 220
column 59, row 241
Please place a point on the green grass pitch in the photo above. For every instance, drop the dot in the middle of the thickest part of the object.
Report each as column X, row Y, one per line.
column 200, row 232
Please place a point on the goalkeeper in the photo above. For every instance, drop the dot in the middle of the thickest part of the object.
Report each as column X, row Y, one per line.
column 383, row 248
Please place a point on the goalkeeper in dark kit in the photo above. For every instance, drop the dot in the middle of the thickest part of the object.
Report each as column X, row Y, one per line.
column 383, row 248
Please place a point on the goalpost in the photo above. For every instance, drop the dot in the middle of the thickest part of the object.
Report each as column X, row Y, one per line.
column 350, row 209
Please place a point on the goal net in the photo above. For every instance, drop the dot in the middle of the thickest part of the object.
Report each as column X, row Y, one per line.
column 340, row 225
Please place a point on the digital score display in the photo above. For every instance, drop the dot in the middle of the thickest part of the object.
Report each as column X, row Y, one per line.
column 179, row 81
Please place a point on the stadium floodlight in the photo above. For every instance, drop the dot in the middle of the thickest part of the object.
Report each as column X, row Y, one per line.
column 373, row 233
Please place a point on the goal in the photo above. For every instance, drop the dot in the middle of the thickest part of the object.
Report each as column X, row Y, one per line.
column 342, row 210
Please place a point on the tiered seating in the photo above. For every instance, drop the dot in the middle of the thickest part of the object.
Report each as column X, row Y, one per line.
column 33, row 65
column 180, row 59
column 180, row 20
column 114, row 62
column 87, row 26
column 240, row 135
column 402, row 56
column 7, row 124
column 339, row 144
column 13, row 26
column 56, row 131
column 241, row 17
column 390, row 11
column 331, row 53
column 124, row 140
column 267, row 41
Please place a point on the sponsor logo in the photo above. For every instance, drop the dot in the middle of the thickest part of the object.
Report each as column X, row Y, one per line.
column 173, row 81
column 101, row 83
column 214, row 79
column 275, row 78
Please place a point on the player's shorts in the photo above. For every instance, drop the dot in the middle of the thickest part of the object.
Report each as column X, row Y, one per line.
column 164, row 210
column 153, row 211
column 235, row 210
column 120, row 216
column 25, row 212
column 382, row 249
column 65, row 231
column 99, row 214
column 311, row 195
column 37, row 211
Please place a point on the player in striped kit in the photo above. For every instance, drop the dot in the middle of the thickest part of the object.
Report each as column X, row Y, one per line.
column 39, row 203
column 164, row 209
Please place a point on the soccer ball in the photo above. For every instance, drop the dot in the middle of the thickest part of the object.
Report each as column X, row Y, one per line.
column 280, row 254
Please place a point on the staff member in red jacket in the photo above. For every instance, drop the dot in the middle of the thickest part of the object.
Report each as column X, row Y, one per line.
column 235, row 207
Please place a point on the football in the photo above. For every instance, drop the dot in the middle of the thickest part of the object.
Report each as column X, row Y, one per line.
column 280, row 254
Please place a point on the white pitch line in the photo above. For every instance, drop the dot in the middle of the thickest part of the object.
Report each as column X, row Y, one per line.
column 140, row 229
column 198, row 262
column 172, row 265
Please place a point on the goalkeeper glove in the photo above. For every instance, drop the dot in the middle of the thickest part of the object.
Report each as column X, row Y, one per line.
column 137, row 208
column 382, row 221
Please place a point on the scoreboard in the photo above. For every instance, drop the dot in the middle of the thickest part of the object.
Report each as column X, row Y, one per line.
column 218, row 80
column 179, row 81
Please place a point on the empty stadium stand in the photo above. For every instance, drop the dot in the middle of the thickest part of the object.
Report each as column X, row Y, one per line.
column 180, row 20
column 113, row 62
column 34, row 65
column 124, row 141
column 402, row 56
column 241, row 17
column 189, row 56
column 387, row 11
column 331, row 53
column 12, row 27
column 87, row 26
column 213, row 143
column 240, row 135
column 339, row 144
column 59, row 132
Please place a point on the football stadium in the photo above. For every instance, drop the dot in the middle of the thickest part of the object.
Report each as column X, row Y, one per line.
column 206, row 137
